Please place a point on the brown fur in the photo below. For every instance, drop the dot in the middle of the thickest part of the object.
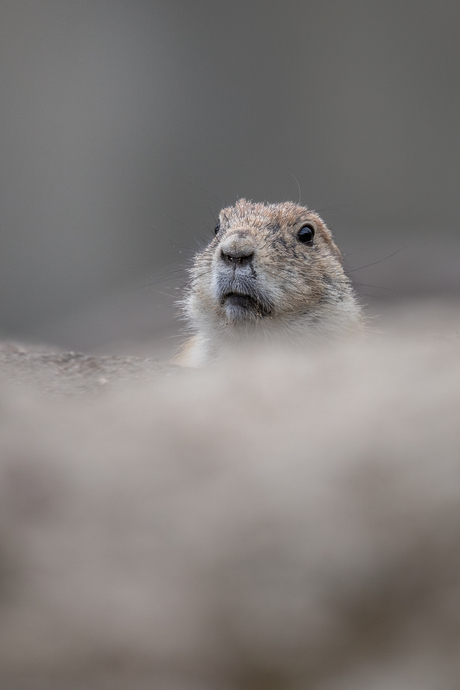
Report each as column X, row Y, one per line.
column 299, row 293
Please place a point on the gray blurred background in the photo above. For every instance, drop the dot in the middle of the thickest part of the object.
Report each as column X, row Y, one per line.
column 126, row 124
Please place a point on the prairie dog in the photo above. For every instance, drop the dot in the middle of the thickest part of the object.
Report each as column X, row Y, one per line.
column 271, row 274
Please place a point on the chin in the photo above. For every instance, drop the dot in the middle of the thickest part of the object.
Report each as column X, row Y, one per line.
column 244, row 308
column 240, row 316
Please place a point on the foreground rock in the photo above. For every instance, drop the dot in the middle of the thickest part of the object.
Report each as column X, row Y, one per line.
column 286, row 521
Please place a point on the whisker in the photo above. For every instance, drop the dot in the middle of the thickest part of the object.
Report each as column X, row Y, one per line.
column 176, row 220
column 166, row 294
column 374, row 263
column 298, row 186
column 165, row 276
column 380, row 287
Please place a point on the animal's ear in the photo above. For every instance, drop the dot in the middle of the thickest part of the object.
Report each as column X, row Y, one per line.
column 336, row 251
column 327, row 235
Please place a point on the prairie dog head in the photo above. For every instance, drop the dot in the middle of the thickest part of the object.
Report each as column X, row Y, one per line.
column 270, row 269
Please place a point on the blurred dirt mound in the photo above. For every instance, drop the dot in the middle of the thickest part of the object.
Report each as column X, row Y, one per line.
column 286, row 521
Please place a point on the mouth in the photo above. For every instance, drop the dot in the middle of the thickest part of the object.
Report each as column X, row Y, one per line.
column 239, row 306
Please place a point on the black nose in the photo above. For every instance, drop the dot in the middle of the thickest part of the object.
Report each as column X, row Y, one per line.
column 237, row 257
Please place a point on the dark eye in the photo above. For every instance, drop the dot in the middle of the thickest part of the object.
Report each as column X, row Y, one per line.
column 306, row 234
column 217, row 228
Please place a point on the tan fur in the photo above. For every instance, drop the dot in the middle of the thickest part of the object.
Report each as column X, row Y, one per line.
column 300, row 294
